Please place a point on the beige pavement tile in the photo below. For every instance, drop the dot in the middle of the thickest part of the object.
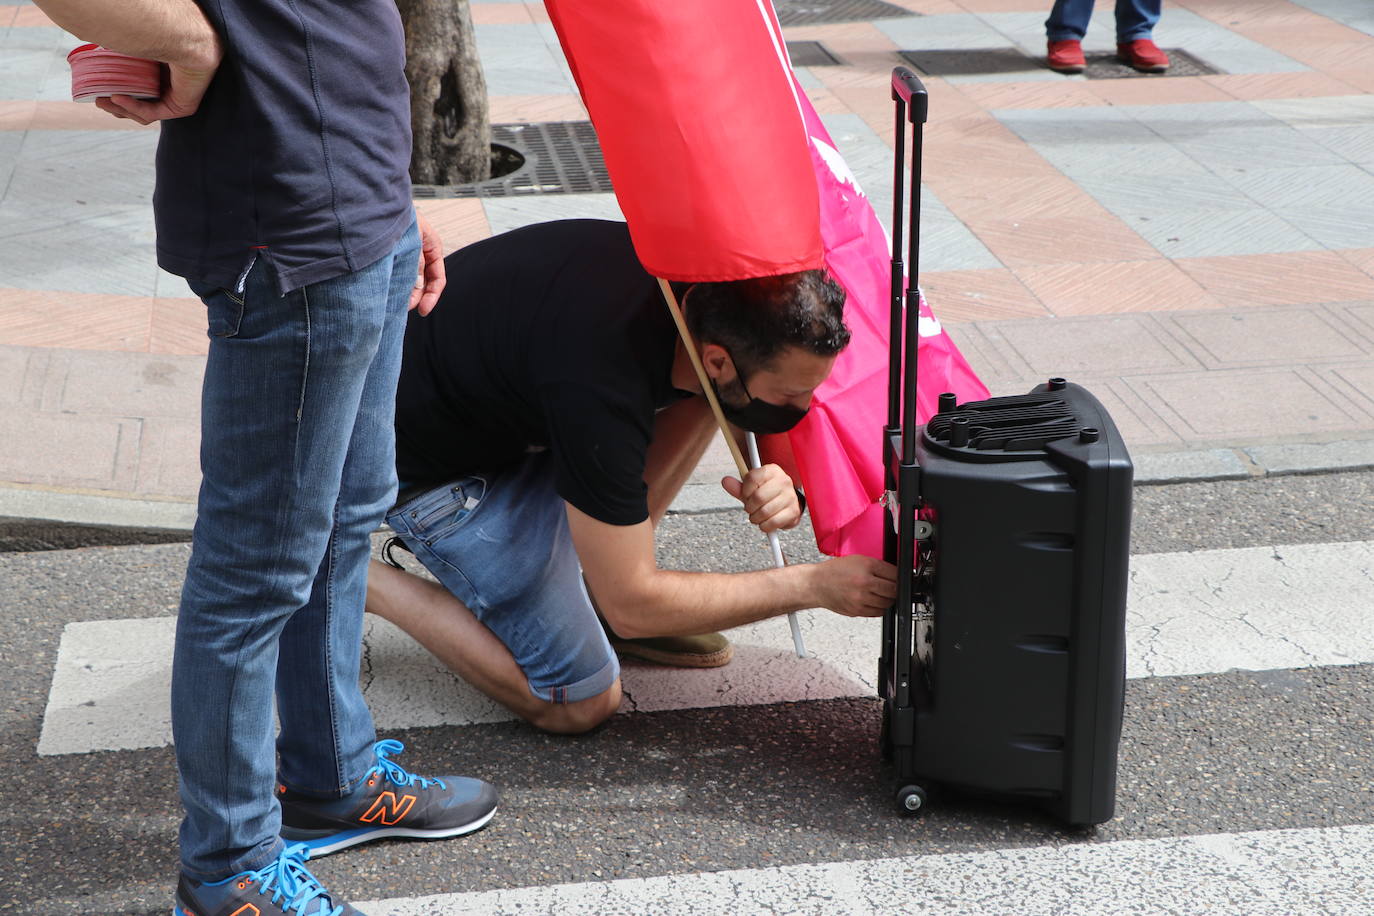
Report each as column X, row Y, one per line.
column 1114, row 287
column 1357, row 382
column 1171, row 90
column 1363, row 258
column 78, row 116
column 1079, row 238
column 1033, row 94
column 973, row 295
column 1361, row 78
column 1357, row 57
column 16, row 115
column 1302, row 37
column 1004, row 197
column 514, row 109
column 1138, row 424
column 499, row 13
column 127, row 384
column 1098, row 345
column 458, row 222
column 1002, row 6
column 14, row 368
column 1358, row 314
column 1300, row 85
column 30, row 17
column 69, row 451
column 1249, row 403
column 1280, row 279
column 83, row 321
column 178, row 328
column 867, row 70
column 989, row 363
column 825, row 102
column 930, row 7
column 863, row 36
column 1269, row 336
column 169, row 458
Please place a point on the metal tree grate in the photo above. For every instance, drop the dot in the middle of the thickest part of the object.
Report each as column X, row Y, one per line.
column 811, row 54
column 812, row 12
column 561, row 157
column 993, row 61
column 971, row 63
column 1181, row 63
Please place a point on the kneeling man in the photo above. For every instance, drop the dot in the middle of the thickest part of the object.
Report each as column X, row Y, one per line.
column 547, row 415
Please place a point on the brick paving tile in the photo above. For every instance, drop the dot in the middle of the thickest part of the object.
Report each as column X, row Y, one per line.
column 30, row 17
column 514, row 109
column 1250, row 337
column 1363, row 258
column 178, row 328
column 17, row 114
column 974, row 295
column 458, row 222
column 78, row 116
column 1169, row 90
column 499, row 13
column 1129, row 286
column 84, row 321
column 1280, row 279
column 1251, row 86
column 1066, row 94
column 1059, row 239
column 1250, row 403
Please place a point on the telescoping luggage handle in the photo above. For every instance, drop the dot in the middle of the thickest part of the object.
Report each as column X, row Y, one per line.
column 911, row 98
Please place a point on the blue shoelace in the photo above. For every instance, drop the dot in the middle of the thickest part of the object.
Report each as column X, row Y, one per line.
column 396, row 773
column 288, row 879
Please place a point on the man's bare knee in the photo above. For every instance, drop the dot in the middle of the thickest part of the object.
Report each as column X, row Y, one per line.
column 581, row 716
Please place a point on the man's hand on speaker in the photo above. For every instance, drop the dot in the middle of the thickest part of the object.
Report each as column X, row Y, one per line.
column 857, row 586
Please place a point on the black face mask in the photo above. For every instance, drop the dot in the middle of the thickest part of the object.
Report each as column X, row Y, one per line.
column 758, row 416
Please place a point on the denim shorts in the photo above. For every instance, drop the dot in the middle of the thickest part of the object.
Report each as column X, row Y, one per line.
column 500, row 543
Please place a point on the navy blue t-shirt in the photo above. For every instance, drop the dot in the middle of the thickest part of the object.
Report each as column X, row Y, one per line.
column 300, row 151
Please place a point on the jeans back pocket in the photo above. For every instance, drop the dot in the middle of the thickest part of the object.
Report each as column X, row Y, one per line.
column 443, row 509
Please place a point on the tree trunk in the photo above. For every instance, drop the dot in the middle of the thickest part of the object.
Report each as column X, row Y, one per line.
column 448, row 94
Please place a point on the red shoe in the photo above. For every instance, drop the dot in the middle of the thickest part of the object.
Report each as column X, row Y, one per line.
column 1144, row 55
column 1066, row 56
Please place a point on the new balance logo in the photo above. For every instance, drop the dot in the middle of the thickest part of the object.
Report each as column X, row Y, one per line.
column 388, row 810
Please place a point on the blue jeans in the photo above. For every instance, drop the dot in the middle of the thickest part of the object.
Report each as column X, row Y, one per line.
column 500, row 544
column 297, row 457
column 1134, row 19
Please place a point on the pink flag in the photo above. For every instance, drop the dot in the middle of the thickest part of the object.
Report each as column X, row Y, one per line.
column 837, row 449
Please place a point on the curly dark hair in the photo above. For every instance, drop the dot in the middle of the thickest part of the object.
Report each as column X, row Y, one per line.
column 755, row 319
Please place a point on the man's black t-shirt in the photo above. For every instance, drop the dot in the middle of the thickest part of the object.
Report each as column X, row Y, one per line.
column 549, row 336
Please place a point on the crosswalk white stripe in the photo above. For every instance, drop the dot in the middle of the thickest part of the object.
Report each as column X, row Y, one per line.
column 1188, row 613
column 1262, row 873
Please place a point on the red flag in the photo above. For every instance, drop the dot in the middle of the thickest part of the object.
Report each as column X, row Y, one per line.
column 693, row 104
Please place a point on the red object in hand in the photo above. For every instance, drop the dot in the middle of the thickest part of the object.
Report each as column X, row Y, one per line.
column 100, row 73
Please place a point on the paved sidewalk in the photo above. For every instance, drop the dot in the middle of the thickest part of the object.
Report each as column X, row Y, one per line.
column 1199, row 250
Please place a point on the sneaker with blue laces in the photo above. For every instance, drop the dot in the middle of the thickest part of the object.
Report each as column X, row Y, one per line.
column 284, row 888
column 390, row 802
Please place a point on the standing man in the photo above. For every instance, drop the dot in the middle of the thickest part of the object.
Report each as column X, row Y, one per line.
column 284, row 200
column 1135, row 23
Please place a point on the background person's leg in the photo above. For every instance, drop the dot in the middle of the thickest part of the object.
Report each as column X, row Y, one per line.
column 326, row 739
column 1136, row 19
column 1068, row 20
column 281, row 397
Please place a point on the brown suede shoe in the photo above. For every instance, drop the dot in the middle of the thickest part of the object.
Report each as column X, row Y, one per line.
column 710, row 650
column 1144, row 55
column 1066, row 56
